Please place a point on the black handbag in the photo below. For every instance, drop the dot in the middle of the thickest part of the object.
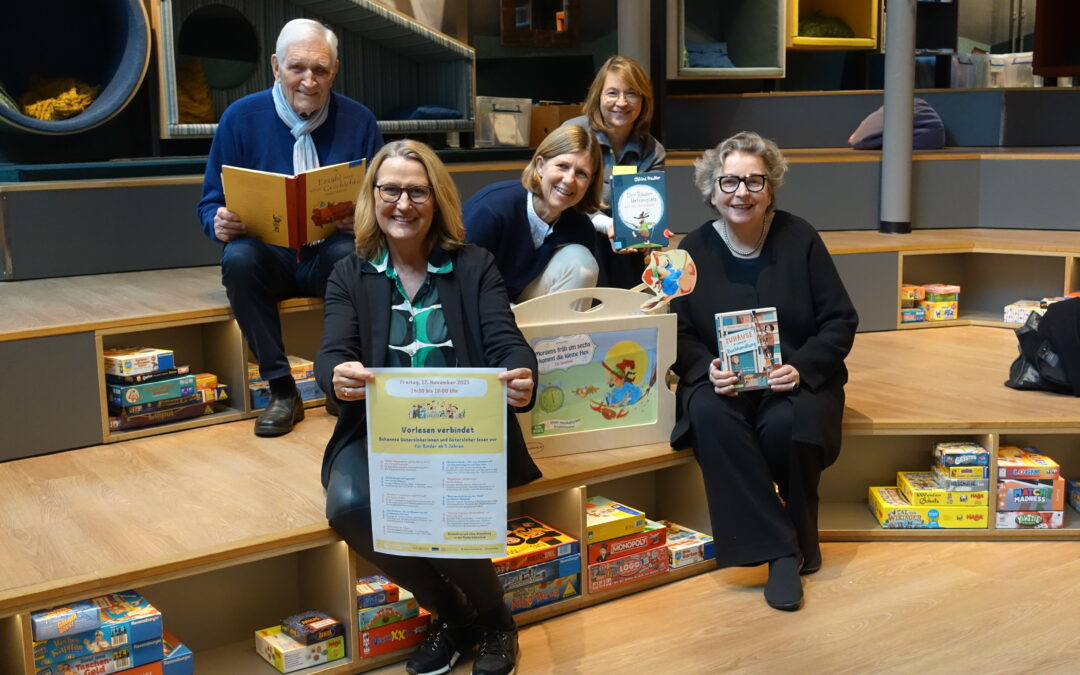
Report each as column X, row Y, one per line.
column 1038, row 366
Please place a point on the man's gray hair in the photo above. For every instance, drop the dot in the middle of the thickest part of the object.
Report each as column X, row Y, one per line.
column 300, row 29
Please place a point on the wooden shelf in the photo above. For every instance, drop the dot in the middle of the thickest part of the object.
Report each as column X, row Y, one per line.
column 862, row 16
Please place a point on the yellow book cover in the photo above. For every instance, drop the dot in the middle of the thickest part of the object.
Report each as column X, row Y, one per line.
column 292, row 210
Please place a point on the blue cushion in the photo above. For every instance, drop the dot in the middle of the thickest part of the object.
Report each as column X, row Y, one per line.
column 708, row 55
column 928, row 131
column 423, row 112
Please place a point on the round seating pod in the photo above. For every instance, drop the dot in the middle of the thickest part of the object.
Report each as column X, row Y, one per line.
column 104, row 44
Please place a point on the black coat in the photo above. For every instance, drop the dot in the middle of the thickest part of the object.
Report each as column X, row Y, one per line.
column 478, row 317
column 816, row 318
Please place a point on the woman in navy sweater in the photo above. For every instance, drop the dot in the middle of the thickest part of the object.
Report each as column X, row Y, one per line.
column 537, row 228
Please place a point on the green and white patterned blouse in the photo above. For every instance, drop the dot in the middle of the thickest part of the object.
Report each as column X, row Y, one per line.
column 419, row 337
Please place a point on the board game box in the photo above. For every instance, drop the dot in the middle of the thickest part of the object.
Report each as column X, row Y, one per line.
column 184, row 412
column 749, row 345
column 177, row 659
column 1073, row 493
column 686, row 546
column 1026, row 462
column 111, row 661
column 148, row 392
column 920, row 489
column 287, row 655
column 126, row 361
column 260, row 393
column 530, row 542
column 1030, row 520
column 300, row 369
column 152, row 376
column 543, row 593
column 376, row 590
column 405, row 607
column 961, row 454
column 394, row 636
column 893, row 511
column 312, row 626
column 640, row 565
column 1031, row 495
column 545, row 571
column 968, row 472
column 126, row 619
column 70, row 619
column 946, row 482
column 606, row 519
column 654, row 534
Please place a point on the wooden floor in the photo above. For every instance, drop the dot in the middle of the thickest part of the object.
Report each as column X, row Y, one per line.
column 881, row 607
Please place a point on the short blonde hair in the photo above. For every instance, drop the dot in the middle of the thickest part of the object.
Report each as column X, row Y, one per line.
column 634, row 75
column 568, row 139
column 711, row 163
column 447, row 230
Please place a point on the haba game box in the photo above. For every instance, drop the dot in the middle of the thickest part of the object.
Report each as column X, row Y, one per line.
column 607, row 519
column 530, row 542
column 749, row 345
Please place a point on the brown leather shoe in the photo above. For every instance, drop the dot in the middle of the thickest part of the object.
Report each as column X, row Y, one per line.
column 280, row 415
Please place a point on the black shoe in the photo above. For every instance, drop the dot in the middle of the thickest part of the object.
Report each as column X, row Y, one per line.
column 280, row 415
column 783, row 590
column 441, row 649
column 811, row 562
column 332, row 407
column 497, row 653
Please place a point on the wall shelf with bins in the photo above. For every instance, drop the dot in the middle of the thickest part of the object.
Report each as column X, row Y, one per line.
column 734, row 39
column 862, row 16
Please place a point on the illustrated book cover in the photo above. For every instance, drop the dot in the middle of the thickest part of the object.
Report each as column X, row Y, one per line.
column 749, row 342
column 638, row 202
column 295, row 210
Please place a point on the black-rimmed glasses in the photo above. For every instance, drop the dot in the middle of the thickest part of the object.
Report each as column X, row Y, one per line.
column 418, row 194
column 755, row 182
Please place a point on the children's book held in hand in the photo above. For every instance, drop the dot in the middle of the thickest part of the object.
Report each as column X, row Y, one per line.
column 638, row 209
column 292, row 210
column 749, row 342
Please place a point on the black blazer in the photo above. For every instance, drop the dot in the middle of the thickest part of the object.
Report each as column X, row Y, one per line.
column 356, row 320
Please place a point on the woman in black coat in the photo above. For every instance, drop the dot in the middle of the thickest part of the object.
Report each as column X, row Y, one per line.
column 412, row 260
column 754, row 256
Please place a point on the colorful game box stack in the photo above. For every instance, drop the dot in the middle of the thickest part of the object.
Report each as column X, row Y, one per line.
column 303, row 371
column 302, row 640
column 686, row 546
column 116, row 633
column 941, row 302
column 389, row 618
column 542, row 565
column 954, row 494
column 1020, row 310
column 623, row 545
column 144, row 386
column 1030, row 489
column 910, row 295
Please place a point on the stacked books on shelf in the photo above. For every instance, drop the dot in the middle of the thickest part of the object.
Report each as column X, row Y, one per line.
column 954, row 494
column 302, row 640
column 144, row 386
column 389, row 617
column 929, row 302
column 303, row 371
column 1030, row 490
column 623, row 545
column 542, row 565
column 116, row 633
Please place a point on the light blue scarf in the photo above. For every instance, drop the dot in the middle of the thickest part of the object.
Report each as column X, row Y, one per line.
column 304, row 157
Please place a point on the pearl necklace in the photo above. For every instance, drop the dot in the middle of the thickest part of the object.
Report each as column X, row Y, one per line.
column 761, row 239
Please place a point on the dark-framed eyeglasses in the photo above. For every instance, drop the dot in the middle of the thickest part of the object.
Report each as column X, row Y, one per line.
column 418, row 194
column 755, row 182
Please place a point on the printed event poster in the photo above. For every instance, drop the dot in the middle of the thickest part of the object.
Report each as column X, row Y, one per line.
column 437, row 458
column 600, row 380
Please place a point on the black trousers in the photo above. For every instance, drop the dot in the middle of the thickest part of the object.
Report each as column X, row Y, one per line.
column 744, row 445
column 454, row 589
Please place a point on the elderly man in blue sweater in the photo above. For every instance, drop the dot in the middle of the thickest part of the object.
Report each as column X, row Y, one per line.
column 297, row 125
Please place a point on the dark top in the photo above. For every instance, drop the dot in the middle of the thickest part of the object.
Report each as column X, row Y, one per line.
column 478, row 317
column 418, row 336
column 497, row 218
column 252, row 136
column 817, row 321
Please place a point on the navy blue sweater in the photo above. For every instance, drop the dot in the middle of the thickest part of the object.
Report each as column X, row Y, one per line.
column 496, row 218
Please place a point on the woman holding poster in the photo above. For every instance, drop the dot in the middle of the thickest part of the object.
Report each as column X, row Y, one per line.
column 753, row 256
column 416, row 295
